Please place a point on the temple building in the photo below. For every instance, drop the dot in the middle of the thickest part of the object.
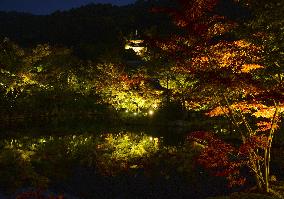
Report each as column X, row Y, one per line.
column 136, row 44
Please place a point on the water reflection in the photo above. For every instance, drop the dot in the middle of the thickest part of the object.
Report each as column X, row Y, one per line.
column 36, row 161
column 93, row 164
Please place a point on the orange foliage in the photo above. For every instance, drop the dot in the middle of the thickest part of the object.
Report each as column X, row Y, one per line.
column 257, row 109
column 246, row 68
column 268, row 112
column 218, row 111
column 235, row 56
column 232, row 81
column 263, row 126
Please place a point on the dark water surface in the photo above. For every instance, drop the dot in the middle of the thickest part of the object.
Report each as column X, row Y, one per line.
column 99, row 159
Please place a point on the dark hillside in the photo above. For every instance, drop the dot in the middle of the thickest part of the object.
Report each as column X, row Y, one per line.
column 92, row 31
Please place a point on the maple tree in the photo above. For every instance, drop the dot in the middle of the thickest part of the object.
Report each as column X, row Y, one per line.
column 235, row 80
column 42, row 80
column 25, row 71
column 123, row 90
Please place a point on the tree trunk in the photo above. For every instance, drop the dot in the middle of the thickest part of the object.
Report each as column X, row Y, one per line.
column 266, row 170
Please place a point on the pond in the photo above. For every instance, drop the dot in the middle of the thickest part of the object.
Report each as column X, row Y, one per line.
column 102, row 160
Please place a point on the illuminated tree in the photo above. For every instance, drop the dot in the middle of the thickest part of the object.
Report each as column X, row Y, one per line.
column 125, row 91
column 25, row 70
column 234, row 81
column 17, row 80
column 44, row 76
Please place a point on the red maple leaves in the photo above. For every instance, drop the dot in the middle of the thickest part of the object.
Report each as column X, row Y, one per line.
column 223, row 159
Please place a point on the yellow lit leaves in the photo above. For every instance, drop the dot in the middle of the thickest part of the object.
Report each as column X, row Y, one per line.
column 38, row 54
column 200, row 61
column 219, row 29
column 268, row 117
column 42, row 50
column 121, row 151
column 123, row 90
column 174, row 45
column 242, row 43
column 266, row 126
column 226, row 59
column 234, row 56
column 256, row 109
column 218, row 111
column 269, row 112
column 246, row 68
column 26, row 78
column 20, row 83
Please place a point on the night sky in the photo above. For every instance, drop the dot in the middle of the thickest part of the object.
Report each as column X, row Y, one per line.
column 42, row 7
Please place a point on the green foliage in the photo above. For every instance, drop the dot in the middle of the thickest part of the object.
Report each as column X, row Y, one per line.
column 17, row 170
column 124, row 90
column 39, row 162
column 122, row 152
column 44, row 80
column 267, row 24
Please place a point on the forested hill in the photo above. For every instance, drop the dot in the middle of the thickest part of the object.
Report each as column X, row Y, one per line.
column 92, row 30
